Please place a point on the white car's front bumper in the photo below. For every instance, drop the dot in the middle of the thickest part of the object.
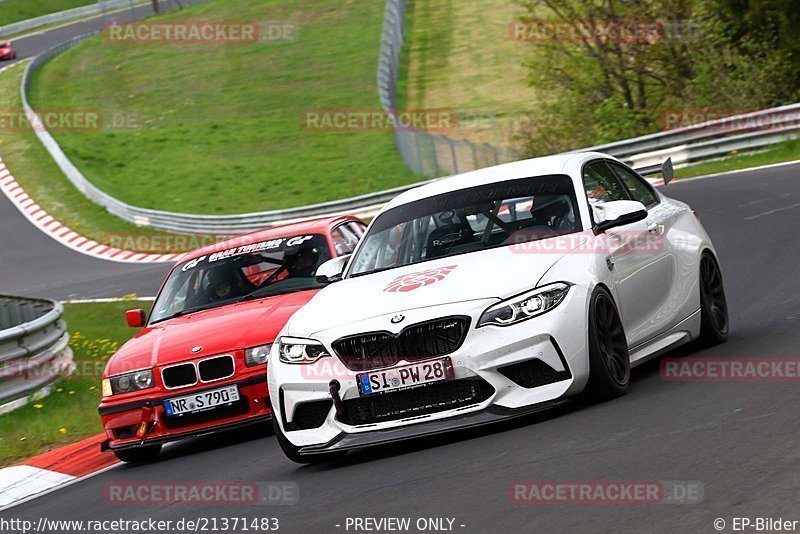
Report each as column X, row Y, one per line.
column 482, row 364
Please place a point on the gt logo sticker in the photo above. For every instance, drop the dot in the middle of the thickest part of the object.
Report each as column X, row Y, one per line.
column 412, row 281
column 192, row 264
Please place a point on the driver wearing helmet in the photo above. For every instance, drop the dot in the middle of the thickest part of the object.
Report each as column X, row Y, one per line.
column 222, row 285
column 302, row 262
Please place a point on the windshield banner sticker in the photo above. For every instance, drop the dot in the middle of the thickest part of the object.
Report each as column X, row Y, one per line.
column 272, row 245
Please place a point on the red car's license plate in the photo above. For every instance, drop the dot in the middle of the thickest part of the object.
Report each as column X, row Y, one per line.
column 405, row 377
column 201, row 401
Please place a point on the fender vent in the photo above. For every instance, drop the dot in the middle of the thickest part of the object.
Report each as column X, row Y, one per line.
column 533, row 373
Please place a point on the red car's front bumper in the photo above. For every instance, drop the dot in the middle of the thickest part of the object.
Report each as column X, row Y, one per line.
column 143, row 421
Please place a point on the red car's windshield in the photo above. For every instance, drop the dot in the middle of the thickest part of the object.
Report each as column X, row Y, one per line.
column 254, row 270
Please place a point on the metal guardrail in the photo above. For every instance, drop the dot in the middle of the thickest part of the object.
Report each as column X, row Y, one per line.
column 709, row 139
column 363, row 205
column 434, row 155
column 34, row 347
column 95, row 8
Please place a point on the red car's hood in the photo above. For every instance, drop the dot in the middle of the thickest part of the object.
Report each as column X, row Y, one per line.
column 224, row 329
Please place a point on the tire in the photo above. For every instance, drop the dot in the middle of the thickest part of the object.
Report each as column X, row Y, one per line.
column 609, row 360
column 139, row 455
column 713, row 305
column 292, row 452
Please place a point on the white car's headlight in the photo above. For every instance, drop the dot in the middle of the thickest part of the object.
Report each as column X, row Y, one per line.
column 521, row 307
column 296, row 350
column 257, row 355
column 128, row 382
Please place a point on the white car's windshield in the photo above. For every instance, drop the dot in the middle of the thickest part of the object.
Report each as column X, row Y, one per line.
column 253, row 270
column 468, row 220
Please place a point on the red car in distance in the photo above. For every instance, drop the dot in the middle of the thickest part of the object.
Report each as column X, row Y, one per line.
column 7, row 50
column 199, row 364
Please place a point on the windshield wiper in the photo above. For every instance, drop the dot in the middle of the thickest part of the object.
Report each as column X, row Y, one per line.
column 259, row 295
column 381, row 269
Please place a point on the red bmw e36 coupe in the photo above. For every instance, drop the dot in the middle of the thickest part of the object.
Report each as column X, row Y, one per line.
column 199, row 364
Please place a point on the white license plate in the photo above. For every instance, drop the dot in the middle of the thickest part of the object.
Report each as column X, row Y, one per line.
column 199, row 402
column 405, row 377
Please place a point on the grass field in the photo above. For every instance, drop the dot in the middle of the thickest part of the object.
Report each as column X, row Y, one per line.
column 218, row 128
column 17, row 10
column 69, row 413
column 35, row 170
column 461, row 57
column 779, row 153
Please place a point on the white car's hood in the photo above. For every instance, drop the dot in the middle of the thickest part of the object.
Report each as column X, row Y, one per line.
column 491, row 274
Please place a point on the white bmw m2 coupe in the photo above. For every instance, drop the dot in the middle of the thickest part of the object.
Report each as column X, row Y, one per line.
column 490, row 295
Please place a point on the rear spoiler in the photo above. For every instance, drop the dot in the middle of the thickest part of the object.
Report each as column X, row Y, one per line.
column 665, row 169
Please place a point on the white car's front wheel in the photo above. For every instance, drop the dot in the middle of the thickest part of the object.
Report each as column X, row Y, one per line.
column 609, row 360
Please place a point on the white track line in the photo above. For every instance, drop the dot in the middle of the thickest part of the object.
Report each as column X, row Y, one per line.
column 736, row 171
column 48, row 482
column 111, row 299
column 22, row 481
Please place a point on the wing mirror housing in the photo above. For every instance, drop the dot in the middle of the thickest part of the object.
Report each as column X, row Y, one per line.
column 332, row 270
column 615, row 213
column 135, row 318
column 667, row 171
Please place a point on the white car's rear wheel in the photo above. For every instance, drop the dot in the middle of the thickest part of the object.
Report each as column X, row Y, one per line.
column 609, row 360
column 713, row 305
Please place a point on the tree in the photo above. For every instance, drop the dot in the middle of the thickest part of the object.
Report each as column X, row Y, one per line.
column 739, row 55
column 612, row 74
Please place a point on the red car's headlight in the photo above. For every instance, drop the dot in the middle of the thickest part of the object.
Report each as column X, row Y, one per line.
column 257, row 355
column 128, row 382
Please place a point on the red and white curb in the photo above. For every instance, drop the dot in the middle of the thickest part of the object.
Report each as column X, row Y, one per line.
column 64, row 235
column 53, row 470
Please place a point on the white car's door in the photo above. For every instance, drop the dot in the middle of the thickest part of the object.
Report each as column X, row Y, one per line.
column 673, row 258
column 641, row 266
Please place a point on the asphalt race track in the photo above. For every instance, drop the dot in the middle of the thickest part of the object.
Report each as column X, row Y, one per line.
column 35, row 265
column 35, row 43
column 738, row 439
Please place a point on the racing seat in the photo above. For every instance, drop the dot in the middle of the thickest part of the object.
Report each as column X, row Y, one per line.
column 554, row 215
column 446, row 237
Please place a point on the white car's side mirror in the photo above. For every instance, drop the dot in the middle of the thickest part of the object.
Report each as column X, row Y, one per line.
column 332, row 270
column 617, row 213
